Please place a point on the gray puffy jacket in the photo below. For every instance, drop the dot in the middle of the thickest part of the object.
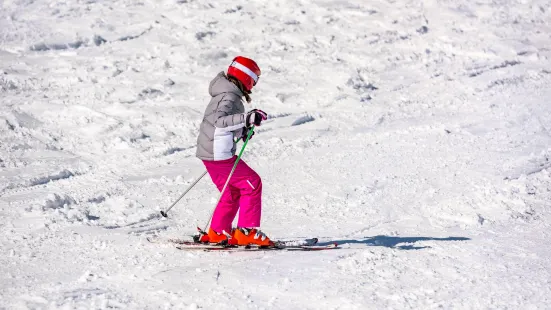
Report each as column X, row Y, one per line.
column 224, row 118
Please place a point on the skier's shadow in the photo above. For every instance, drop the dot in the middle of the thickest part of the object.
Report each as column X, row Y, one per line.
column 402, row 243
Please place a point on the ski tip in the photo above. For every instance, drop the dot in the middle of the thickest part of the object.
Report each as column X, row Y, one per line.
column 163, row 213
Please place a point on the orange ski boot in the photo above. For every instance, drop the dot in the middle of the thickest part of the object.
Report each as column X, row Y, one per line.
column 223, row 238
column 251, row 236
column 202, row 237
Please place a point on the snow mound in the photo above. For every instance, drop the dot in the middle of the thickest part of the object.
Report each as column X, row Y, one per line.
column 119, row 211
column 303, row 120
column 63, row 174
column 57, row 201
column 62, row 208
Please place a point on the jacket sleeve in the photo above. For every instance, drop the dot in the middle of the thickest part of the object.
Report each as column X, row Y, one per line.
column 224, row 119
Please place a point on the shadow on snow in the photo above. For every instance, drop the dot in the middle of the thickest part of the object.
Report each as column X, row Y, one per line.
column 393, row 242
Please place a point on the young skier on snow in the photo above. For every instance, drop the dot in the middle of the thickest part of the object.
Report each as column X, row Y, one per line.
column 224, row 120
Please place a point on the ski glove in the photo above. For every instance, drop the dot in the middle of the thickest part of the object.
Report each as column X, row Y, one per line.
column 255, row 117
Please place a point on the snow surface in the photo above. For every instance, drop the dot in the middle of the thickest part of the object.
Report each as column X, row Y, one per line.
column 417, row 134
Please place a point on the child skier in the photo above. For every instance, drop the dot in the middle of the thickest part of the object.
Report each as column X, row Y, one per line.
column 224, row 120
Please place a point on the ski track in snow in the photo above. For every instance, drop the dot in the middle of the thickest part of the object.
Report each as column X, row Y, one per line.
column 416, row 135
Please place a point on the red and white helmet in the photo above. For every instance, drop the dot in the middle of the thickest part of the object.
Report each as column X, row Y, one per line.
column 245, row 70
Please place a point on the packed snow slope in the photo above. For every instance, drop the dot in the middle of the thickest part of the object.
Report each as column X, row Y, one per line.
column 417, row 134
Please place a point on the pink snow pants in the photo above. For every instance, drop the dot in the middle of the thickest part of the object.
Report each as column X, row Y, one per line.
column 243, row 193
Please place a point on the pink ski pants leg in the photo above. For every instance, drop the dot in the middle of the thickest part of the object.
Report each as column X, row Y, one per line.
column 243, row 193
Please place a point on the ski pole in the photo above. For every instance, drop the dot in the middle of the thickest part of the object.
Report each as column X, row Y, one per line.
column 164, row 213
column 249, row 134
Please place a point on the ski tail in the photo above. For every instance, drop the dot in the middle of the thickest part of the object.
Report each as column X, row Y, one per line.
column 298, row 242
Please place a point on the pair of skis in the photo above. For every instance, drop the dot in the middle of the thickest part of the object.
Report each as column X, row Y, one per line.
column 295, row 245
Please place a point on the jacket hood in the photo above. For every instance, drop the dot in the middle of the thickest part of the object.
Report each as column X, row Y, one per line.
column 220, row 84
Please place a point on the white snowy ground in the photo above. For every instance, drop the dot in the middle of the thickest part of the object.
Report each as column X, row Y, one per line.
column 416, row 134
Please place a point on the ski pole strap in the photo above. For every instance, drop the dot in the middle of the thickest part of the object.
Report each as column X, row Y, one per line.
column 249, row 134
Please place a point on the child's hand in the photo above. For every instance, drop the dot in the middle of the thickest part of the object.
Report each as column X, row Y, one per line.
column 255, row 117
